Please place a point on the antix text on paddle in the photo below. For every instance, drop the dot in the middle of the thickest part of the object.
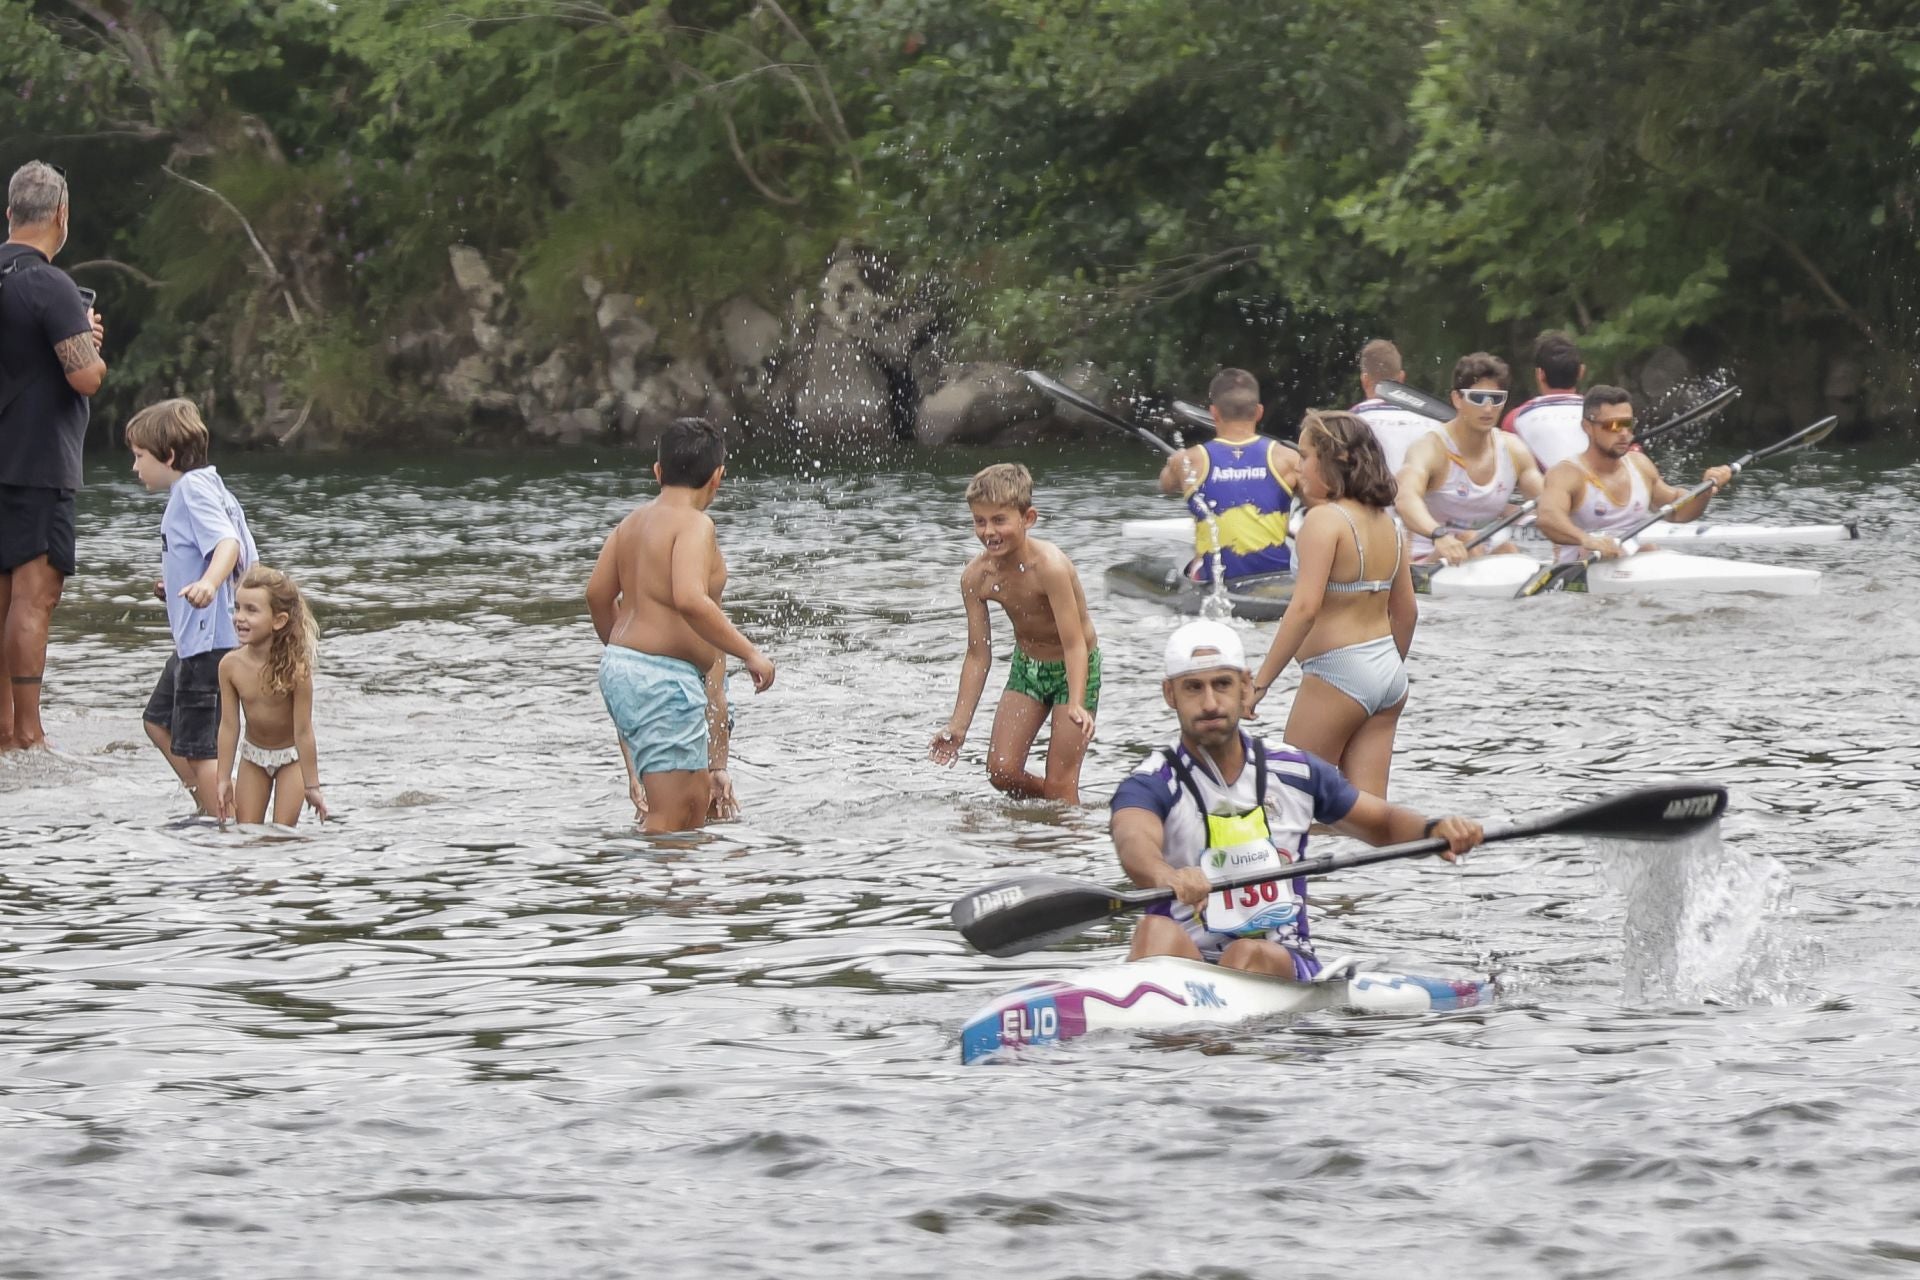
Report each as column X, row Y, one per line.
column 1573, row 574
column 1068, row 396
column 1423, row 573
column 1017, row 915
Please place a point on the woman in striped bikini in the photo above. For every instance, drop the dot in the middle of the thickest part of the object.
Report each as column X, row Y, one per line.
column 1349, row 623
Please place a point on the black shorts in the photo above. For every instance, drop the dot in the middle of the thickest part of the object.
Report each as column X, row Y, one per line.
column 35, row 523
column 186, row 703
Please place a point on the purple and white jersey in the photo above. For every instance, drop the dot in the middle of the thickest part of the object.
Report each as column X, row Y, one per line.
column 1550, row 426
column 1395, row 428
column 1301, row 789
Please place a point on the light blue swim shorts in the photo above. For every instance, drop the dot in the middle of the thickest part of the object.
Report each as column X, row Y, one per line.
column 659, row 705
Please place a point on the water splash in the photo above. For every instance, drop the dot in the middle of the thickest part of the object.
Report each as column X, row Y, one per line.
column 1705, row 924
column 1217, row 607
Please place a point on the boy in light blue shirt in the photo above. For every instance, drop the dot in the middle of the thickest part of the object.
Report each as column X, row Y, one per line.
column 205, row 547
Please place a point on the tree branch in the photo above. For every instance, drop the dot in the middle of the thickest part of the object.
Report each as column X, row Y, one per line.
column 298, row 423
column 273, row 269
column 826, row 87
column 733, row 138
column 1819, row 278
column 114, row 264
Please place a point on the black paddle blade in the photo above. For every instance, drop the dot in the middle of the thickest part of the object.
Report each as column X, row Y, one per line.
column 1651, row 813
column 1812, row 436
column 1195, row 416
column 1073, row 399
column 1690, row 417
column 1557, row 577
column 1423, row 578
column 1065, row 394
column 1420, row 402
column 1012, row 916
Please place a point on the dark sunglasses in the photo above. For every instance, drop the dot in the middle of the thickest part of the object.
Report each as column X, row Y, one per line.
column 1612, row 424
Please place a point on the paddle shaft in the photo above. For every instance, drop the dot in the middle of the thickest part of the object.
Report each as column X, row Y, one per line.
column 1012, row 916
column 1794, row 441
column 1069, row 396
column 1331, row 863
column 1556, row 577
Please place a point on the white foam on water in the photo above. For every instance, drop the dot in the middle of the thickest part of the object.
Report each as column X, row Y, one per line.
column 1705, row 924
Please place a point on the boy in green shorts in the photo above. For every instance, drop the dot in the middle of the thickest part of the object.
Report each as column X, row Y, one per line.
column 1056, row 659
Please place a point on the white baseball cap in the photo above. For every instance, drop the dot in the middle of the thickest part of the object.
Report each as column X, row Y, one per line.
column 1204, row 646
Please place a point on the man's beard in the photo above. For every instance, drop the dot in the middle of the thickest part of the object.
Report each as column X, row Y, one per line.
column 1216, row 734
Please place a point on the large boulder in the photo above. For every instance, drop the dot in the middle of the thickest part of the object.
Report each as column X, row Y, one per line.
column 571, row 426
column 977, row 403
column 746, row 340
column 839, row 393
column 683, row 389
column 485, row 299
column 629, row 338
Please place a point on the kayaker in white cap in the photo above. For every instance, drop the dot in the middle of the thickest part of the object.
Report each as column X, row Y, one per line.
column 1221, row 802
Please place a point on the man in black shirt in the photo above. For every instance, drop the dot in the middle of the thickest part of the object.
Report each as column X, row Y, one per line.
column 49, row 365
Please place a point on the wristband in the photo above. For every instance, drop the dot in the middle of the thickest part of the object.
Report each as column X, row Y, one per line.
column 1426, row 833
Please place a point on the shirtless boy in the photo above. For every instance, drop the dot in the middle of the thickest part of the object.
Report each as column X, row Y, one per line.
column 655, row 600
column 1056, row 659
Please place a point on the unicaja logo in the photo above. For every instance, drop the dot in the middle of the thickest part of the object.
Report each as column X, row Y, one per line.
column 1218, row 858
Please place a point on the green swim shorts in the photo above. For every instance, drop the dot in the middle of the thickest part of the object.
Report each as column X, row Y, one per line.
column 1046, row 682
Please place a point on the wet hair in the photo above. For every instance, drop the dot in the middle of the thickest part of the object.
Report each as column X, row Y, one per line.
column 1479, row 367
column 290, row 652
column 1349, row 456
column 171, row 431
column 691, row 450
column 35, row 193
column 1004, row 484
column 1557, row 359
column 1381, row 359
column 1601, row 394
column 1236, row 394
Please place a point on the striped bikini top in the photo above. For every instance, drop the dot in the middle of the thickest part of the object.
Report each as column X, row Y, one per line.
column 1363, row 583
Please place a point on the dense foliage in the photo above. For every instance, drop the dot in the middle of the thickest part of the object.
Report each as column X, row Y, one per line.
column 265, row 191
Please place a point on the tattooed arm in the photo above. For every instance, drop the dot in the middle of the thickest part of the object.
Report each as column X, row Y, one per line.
column 80, row 361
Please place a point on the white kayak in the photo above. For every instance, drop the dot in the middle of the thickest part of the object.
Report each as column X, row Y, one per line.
column 1642, row 573
column 1733, row 535
column 1164, row 992
column 1179, row 530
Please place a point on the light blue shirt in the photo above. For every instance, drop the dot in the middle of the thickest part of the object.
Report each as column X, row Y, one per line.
column 201, row 514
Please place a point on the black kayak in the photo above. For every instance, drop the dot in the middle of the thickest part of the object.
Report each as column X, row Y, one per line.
column 1259, row 597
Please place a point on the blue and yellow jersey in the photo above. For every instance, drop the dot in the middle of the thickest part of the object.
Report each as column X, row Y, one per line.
column 1250, row 505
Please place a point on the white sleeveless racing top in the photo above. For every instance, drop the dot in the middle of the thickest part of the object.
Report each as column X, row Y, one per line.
column 1597, row 513
column 1395, row 428
column 1550, row 426
column 1460, row 502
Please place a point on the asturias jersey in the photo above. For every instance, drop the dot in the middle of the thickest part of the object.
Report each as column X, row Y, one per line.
column 1249, row 504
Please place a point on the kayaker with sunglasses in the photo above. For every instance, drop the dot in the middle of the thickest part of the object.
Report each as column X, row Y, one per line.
column 1590, row 500
column 1460, row 476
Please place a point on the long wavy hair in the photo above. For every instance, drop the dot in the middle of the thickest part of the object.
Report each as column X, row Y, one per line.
column 290, row 652
column 1350, row 459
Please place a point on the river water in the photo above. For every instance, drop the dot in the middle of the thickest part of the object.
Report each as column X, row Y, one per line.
column 480, row 1027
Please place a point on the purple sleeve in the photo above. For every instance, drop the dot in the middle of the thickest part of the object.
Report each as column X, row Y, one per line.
column 1333, row 795
column 1152, row 791
column 206, row 513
